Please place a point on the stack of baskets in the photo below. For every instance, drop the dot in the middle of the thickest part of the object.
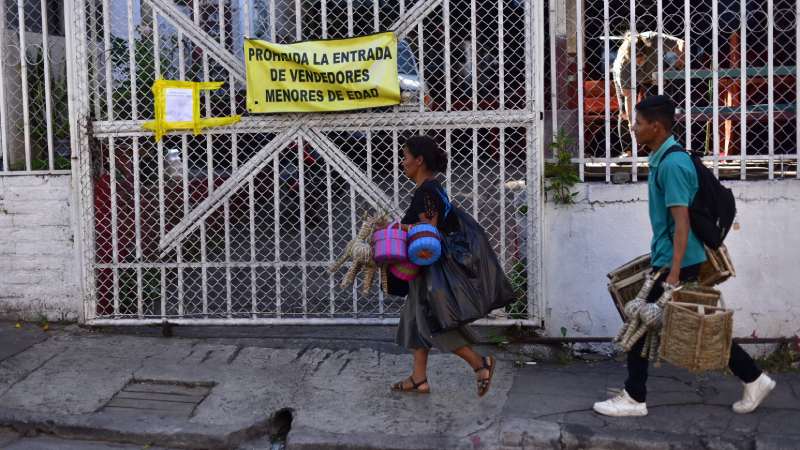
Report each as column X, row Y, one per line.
column 696, row 332
column 402, row 252
column 625, row 281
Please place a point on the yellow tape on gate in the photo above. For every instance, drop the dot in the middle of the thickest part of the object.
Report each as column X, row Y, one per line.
column 177, row 107
column 322, row 76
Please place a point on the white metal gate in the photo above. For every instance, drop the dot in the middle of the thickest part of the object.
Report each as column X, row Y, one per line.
column 240, row 224
column 733, row 78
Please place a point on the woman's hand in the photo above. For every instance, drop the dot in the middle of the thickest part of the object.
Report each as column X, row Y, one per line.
column 423, row 218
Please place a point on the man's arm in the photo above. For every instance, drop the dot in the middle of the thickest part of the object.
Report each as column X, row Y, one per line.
column 681, row 216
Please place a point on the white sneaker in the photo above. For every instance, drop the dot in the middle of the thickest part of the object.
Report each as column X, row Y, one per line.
column 754, row 394
column 621, row 406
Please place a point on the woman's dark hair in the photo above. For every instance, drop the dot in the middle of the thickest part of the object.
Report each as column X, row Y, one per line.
column 424, row 146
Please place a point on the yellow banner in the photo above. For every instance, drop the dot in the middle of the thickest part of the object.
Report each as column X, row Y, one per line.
column 322, row 76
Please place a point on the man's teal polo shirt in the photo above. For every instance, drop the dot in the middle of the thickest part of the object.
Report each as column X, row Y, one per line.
column 676, row 186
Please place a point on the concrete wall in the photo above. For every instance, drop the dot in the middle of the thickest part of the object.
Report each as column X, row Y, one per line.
column 38, row 264
column 610, row 226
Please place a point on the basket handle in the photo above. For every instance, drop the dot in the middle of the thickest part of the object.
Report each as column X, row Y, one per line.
column 660, row 271
column 669, row 291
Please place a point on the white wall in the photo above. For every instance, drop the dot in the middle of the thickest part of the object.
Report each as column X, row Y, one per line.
column 38, row 264
column 610, row 226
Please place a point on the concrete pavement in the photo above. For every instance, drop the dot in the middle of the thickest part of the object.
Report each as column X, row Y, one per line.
column 328, row 386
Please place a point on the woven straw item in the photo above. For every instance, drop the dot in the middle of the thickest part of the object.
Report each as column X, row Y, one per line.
column 359, row 253
column 630, row 268
column 696, row 337
column 624, row 290
column 698, row 295
column 717, row 268
column 626, row 280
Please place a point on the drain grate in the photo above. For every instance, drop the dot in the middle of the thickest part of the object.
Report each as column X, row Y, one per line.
column 163, row 398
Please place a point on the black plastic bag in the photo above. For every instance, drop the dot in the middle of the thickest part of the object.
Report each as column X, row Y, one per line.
column 467, row 282
column 395, row 285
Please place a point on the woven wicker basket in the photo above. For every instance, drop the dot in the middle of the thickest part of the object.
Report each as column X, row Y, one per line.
column 698, row 295
column 696, row 337
column 630, row 268
column 626, row 280
column 717, row 268
column 624, row 290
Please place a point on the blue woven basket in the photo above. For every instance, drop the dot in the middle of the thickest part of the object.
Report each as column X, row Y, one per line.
column 424, row 244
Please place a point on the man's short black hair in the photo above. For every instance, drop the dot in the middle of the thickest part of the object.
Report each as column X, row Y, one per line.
column 658, row 108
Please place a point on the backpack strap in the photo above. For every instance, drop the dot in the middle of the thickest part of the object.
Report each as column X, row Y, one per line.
column 447, row 205
column 675, row 148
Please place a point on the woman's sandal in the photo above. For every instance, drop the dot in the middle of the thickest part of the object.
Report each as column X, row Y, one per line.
column 401, row 386
column 484, row 383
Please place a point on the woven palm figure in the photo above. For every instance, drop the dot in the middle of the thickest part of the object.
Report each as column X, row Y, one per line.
column 359, row 253
column 633, row 306
column 648, row 320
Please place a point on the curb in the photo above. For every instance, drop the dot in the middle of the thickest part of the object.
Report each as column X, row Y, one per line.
column 528, row 434
column 153, row 431
column 306, row 438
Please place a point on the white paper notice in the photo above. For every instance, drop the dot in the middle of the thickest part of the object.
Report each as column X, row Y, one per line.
column 178, row 104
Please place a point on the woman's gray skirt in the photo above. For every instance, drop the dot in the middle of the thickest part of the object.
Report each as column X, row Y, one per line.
column 414, row 330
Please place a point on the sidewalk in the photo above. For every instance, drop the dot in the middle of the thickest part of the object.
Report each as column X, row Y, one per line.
column 235, row 391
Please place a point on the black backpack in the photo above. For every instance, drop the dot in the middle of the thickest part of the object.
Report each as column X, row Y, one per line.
column 713, row 209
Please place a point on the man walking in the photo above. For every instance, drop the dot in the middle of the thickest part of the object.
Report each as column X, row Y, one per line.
column 672, row 185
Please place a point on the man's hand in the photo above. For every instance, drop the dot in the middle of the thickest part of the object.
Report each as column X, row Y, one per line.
column 674, row 277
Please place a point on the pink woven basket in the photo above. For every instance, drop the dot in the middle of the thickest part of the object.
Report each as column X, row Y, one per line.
column 406, row 271
column 390, row 245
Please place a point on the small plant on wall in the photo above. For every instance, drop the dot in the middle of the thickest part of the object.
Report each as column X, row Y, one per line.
column 561, row 176
column 519, row 281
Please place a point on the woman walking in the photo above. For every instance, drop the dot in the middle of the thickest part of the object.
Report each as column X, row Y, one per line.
column 422, row 161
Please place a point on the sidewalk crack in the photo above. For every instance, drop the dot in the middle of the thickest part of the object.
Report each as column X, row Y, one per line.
column 141, row 365
column 28, row 374
column 343, row 367
column 564, row 412
column 235, row 354
column 25, row 349
column 207, row 356
column 193, row 348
